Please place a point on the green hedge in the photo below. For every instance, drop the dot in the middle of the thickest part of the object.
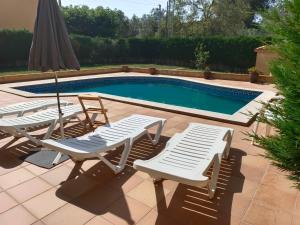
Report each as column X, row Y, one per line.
column 226, row 54
column 14, row 47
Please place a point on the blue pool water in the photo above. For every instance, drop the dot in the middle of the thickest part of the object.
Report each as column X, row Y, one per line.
column 158, row 89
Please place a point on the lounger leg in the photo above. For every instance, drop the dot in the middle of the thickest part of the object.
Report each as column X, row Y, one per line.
column 228, row 144
column 124, row 157
column 158, row 133
column 50, row 131
column 117, row 169
column 255, row 131
column 212, row 186
column 25, row 134
column 156, row 179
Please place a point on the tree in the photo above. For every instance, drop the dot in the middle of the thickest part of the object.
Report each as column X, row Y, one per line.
column 151, row 24
column 96, row 22
column 284, row 147
column 230, row 17
column 212, row 17
column 194, row 16
column 134, row 26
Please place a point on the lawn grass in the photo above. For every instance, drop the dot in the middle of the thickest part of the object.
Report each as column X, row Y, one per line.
column 24, row 70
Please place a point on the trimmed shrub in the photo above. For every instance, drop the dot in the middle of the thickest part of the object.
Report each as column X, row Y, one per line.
column 234, row 54
column 83, row 46
column 14, row 47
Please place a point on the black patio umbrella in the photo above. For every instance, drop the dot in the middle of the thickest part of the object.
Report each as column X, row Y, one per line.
column 51, row 48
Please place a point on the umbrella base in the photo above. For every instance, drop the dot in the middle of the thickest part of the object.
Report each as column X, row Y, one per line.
column 44, row 158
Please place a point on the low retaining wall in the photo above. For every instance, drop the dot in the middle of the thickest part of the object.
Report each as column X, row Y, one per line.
column 215, row 75
column 61, row 74
column 184, row 73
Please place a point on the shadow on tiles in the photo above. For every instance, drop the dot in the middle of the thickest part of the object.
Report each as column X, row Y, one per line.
column 191, row 206
column 14, row 150
column 102, row 188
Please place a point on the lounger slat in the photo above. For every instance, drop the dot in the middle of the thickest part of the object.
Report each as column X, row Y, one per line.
column 178, row 162
column 191, row 153
column 185, row 157
column 197, row 152
column 197, row 141
column 193, row 144
column 206, row 136
column 183, row 146
column 175, row 165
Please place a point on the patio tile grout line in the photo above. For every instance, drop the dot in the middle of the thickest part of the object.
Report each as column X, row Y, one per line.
column 93, row 218
column 51, row 187
column 145, row 214
column 66, row 202
column 35, row 176
column 19, row 204
column 53, row 211
column 76, row 206
column 22, row 203
column 252, row 199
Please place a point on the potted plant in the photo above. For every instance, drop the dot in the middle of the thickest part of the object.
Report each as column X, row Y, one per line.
column 202, row 57
column 152, row 70
column 207, row 73
column 253, row 73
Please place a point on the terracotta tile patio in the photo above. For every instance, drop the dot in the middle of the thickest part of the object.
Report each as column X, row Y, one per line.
column 250, row 190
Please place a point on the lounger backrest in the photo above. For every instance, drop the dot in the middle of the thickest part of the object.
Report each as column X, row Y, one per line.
column 29, row 106
column 40, row 118
column 136, row 121
column 208, row 131
column 191, row 151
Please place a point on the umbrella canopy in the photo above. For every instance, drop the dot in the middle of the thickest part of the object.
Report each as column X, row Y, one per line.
column 51, row 47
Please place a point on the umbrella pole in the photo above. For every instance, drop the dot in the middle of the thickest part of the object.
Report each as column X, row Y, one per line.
column 60, row 115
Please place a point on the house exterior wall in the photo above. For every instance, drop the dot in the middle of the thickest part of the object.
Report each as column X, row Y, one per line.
column 18, row 14
column 263, row 58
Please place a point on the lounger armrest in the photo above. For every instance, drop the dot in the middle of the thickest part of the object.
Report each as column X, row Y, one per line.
column 221, row 147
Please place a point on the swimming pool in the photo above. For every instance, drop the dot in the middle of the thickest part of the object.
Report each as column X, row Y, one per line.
column 170, row 91
column 181, row 95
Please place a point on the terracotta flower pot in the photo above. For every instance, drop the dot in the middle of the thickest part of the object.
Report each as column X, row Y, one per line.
column 152, row 71
column 207, row 74
column 253, row 77
column 125, row 69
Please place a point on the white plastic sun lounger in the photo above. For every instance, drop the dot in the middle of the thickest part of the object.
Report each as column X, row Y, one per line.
column 121, row 133
column 18, row 127
column 20, row 109
column 188, row 156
